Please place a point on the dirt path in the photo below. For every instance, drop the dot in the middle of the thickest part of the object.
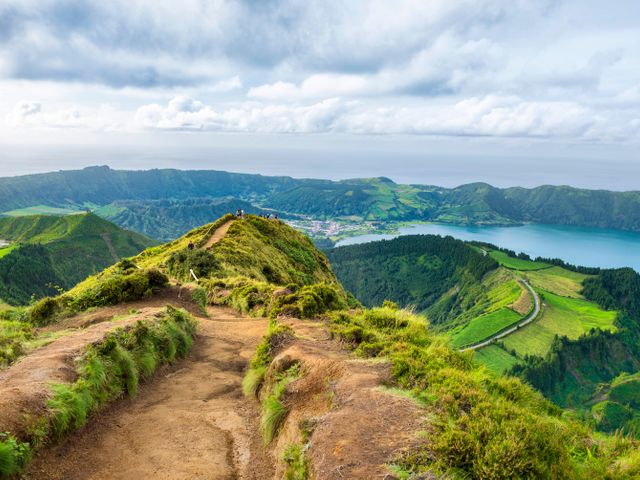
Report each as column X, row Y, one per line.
column 112, row 250
column 364, row 426
column 25, row 384
column 190, row 422
column 218, row 235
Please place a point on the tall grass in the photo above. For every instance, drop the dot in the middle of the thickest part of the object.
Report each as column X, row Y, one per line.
column 106, row 371
column 274, row 410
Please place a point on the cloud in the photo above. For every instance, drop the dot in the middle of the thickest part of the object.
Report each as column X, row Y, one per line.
column 489, row 116
column 183, row 113
column 163, row 43
column 27, row 114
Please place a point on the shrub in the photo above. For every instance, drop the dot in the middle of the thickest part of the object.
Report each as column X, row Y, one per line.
column 202, row 262
column 295, row 463
column 199, row 296
column 14, row 455
column 43, row 311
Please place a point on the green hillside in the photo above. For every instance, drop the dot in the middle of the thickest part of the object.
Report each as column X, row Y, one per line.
column 586, row 333
column 413, row 271
column 479, row 424
column 167, row 220
column 49, row 253
column 127, row 195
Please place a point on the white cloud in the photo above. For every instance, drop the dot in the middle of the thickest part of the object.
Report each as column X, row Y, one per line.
column 488, row 116
column 32, row 115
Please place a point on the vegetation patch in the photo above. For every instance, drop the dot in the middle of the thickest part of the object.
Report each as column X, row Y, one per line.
column 277, row 336
column 485, row 426
column 562, row 317
column 296, row 463
column 258, row 298
column 124, row 282
column 558, row 280
column 496, row 358
column 486, row 326
column 107, row 370
column 515, row 263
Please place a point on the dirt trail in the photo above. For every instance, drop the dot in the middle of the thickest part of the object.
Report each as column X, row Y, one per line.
column 189, row 422
column 25, row 384
column 107, row 239
column 364, row 426
column 218, row 235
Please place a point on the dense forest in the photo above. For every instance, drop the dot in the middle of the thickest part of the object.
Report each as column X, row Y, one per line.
column 414, row 271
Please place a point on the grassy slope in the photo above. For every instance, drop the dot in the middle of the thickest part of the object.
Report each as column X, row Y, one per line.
column 483, row 327
column 62, row 251
column 570, row 317
column 495, row 358
column 7, row 250
column 516, row 263
column 558, row 280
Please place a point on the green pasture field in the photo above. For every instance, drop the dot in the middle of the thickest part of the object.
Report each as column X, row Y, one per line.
column 570, row 317
column 495, row 358
column 516, row 263
column 485, row 326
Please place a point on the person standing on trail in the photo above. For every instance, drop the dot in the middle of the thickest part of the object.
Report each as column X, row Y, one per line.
column 191, row 246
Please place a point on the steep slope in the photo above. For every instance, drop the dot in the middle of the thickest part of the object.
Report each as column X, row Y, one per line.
column 47, row 253
column 461, row 289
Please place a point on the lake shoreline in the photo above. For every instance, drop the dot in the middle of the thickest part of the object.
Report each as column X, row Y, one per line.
column 594, row 247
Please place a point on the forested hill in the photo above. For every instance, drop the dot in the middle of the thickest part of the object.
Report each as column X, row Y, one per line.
column 102, row 185
column 414, row 271
column 46, row 253
column 377, row 199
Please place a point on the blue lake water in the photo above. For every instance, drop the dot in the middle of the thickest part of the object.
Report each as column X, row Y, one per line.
column 591, row 247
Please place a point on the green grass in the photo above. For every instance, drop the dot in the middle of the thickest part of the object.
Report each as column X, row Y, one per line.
column 558, row 280
column 7, row 250
column 482, row 425
column 516, row 263
column 274, row 410
column 42, row 210
column 483, row 327
column 626, row 389
column 296, row 465
column 570, row 317
column 495, row 358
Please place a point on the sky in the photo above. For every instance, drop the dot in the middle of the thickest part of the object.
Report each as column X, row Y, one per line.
column 513, row 92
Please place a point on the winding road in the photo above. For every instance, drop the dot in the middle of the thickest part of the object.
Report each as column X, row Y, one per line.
column 532, row 316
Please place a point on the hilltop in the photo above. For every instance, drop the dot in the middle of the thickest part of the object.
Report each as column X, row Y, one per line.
column 333, row 390
column 46, row 253
column 125, row 196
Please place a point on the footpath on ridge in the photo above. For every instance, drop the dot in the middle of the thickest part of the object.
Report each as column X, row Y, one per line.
column 192, row 421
